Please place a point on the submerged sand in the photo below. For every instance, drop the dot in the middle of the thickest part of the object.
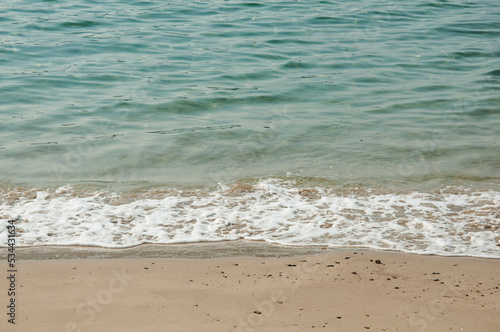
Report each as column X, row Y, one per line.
column 341, row 290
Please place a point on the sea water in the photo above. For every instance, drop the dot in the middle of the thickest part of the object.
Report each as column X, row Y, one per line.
column 339, row 123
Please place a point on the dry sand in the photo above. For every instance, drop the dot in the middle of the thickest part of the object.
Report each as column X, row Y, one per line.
column 345, row 290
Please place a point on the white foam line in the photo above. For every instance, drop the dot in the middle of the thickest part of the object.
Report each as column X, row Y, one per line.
column 459, row 223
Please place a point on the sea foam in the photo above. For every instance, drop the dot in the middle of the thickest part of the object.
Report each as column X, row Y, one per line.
column 452, row 221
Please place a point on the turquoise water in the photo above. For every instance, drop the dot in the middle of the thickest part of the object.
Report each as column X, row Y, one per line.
column 367, row 123
column 208, row 91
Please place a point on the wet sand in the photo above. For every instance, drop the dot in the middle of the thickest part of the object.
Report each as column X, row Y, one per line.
column 334, row 290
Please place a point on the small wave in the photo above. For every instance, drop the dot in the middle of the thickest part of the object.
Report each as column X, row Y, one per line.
column 78, row 24
column 295, row 64
column 452, row 221
column 192, row 129
column 495, row 73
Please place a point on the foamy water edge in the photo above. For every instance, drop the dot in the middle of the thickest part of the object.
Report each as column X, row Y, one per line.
column 450, row 222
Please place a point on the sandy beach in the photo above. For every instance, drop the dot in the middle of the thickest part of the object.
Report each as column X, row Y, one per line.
column 343, row 290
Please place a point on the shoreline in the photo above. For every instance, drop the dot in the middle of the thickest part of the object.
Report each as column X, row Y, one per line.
column 448, row 222
column 331, row 289
column 195, row 250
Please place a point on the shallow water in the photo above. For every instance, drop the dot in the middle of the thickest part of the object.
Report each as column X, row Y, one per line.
column 130, row 97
